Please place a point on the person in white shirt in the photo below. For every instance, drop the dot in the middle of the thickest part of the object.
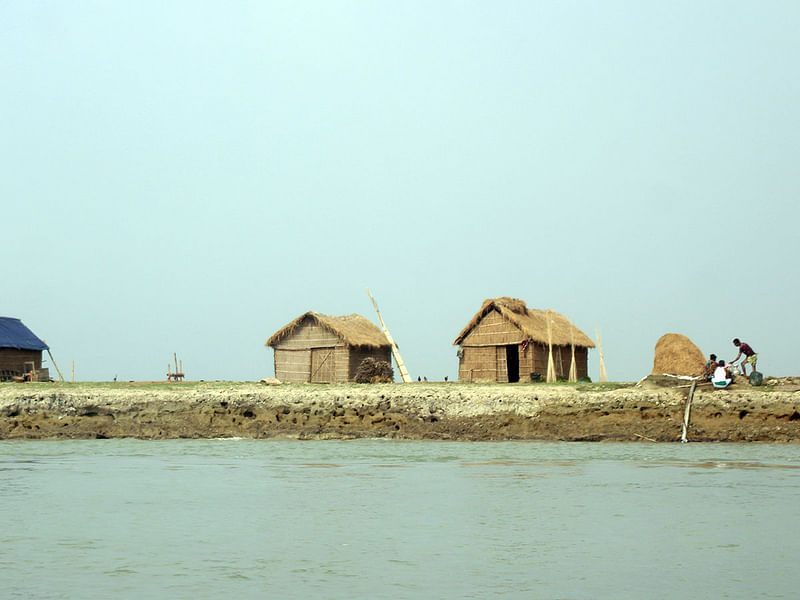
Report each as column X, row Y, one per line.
column 721, row 377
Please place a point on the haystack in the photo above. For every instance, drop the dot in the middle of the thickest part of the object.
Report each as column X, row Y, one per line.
column 676, row 354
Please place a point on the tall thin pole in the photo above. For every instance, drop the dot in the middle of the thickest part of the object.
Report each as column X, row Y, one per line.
column 603, row 374
column 401, row 366
column 50, row 354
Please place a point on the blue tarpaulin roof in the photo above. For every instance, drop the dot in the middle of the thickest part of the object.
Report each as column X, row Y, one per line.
column 13, row 334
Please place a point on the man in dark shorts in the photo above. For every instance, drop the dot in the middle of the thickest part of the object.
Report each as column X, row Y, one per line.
column 750, row 355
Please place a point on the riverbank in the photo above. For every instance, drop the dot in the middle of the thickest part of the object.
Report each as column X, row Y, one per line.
column 439, row 411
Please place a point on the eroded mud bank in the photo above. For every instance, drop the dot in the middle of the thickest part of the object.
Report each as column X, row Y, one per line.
column 413, row 411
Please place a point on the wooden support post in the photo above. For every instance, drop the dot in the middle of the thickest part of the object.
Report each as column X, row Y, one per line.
column 50, row 354
column 686, row 412
column 401, row 366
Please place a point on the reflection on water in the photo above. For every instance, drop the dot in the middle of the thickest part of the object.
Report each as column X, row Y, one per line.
column 390, row 519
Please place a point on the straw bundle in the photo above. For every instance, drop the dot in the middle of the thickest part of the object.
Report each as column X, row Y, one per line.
column 676, row 354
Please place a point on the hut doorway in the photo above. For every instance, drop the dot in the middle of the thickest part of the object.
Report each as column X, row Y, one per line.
column 512, row 363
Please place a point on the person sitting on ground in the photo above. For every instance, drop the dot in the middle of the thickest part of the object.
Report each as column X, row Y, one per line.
column 708, row 369
column 721, row 377
column 750, row 355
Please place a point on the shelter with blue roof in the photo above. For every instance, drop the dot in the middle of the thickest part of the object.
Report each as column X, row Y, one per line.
column 20, row 350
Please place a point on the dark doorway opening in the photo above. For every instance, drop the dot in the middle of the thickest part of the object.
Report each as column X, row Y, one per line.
column 512, row 362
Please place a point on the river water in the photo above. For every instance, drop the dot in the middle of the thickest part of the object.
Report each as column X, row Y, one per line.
column 393, row 519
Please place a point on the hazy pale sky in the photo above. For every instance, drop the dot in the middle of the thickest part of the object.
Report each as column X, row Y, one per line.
column 190, row 176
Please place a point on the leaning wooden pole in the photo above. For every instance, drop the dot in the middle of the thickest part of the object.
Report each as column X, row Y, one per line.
column 401, row 366
column 50, row 354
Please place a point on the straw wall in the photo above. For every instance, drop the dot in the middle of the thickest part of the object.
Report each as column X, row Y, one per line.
column 562, row 358
column 493, row 330
column 488, row 363
column 308, row 335
column 478, row 364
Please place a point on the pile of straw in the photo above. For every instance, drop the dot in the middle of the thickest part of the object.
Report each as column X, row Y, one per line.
column 676, row 354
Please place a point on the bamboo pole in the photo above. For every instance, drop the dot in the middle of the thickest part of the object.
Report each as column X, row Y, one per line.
column 401, row 366
column 603, row 375
column 50, row 354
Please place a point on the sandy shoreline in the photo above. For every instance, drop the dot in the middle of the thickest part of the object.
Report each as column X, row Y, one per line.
column 452, row 411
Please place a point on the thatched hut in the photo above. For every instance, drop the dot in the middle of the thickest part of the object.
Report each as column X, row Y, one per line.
column 323, row 349
column 508, row 342
column 20, row 350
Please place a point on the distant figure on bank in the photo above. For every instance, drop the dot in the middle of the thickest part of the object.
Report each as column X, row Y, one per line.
column 721, row 377
column 750, row 355
column 708, row 369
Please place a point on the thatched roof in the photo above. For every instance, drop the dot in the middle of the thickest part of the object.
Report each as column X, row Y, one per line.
column 532, row 322
column 353, row 330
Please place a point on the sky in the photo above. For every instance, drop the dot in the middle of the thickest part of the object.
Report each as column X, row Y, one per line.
column 188, row 177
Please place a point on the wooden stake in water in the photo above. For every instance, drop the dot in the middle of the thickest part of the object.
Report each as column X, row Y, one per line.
column 603, row 375
column 401, row 366
column 686, row 412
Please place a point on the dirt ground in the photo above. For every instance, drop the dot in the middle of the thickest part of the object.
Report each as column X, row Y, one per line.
column 651, row 411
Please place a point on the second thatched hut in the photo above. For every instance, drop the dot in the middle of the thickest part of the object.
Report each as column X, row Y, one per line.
column 508, row 342
column 317, row 348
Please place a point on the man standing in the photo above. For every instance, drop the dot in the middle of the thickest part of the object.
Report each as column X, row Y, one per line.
column 750, row 356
